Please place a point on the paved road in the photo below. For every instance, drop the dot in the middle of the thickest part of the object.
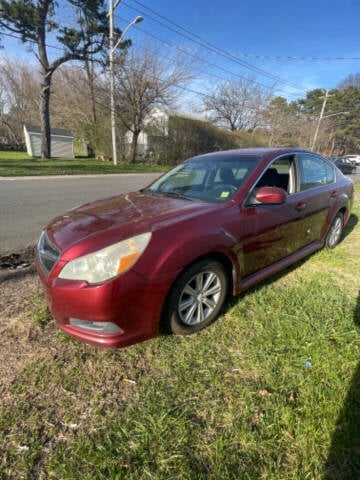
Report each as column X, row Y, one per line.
column 27, row 204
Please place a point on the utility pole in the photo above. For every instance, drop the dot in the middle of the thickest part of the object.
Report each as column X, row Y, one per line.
column 319, row 120
column 112, row 80
column 112, row 48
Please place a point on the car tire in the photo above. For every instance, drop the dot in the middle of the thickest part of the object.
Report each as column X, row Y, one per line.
column 334, row 234
column 196, row 298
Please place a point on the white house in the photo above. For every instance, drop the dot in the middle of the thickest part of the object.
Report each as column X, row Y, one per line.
column 158, row 118
column 62, row 142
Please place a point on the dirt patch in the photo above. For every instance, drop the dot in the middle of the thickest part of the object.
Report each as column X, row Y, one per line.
column 17, row 264
column 17, row 260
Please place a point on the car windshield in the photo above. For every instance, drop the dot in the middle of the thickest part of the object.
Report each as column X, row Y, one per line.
column 212, row 178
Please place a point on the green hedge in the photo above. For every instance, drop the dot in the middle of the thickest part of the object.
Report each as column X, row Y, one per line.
column 186, row 138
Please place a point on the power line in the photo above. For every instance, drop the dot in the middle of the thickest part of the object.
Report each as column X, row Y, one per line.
column 205, row 61
column 197, row 57
column 294, row 57
column 56, row 47
column 209, row 46
column 249, row 55
column 211, row 74
column 202, row 94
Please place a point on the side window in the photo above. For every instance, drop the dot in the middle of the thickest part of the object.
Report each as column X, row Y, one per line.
column 314, row 171
column 279, row 174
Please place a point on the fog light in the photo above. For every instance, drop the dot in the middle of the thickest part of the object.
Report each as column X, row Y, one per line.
column 96, row 327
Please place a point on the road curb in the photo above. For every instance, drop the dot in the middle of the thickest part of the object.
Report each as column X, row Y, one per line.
column 96, row 175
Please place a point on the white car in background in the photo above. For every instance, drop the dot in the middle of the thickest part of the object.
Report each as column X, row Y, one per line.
column 353, row 158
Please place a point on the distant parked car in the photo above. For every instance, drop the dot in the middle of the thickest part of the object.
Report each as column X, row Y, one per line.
column 118, row 270
column 346, row 165
column 353, row 158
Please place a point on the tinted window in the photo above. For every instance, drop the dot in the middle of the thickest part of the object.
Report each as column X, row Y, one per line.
column 314, row 171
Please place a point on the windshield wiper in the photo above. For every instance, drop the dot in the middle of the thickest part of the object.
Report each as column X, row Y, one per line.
column 147, row 191
column 175, row 195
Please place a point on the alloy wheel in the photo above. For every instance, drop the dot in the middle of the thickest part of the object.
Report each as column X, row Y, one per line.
column 199, row 298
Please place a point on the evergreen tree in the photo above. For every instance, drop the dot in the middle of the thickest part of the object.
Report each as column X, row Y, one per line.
column 34, row 20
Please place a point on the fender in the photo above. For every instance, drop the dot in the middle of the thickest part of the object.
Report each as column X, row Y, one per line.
column 192, row 242
column 342, row 201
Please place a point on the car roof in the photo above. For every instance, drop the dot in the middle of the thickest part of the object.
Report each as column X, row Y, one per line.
column 259, row 152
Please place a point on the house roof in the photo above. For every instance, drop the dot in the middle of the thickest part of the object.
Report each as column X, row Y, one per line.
column 188, row 115
column 177, row 113
column 54, row 131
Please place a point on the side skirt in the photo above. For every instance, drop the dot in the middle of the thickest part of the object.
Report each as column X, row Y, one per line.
column 270, row 270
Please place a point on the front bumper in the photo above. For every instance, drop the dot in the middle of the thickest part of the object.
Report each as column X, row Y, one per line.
column 129, row 302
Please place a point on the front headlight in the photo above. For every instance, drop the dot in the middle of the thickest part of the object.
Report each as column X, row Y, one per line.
column 106, row 263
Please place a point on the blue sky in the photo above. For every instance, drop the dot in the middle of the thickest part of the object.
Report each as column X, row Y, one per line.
column 265, row 28
column 251, row 27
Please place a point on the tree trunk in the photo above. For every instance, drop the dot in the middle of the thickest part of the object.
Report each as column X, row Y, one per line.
column 45, row 115
column 89, row 68
column 134, row 143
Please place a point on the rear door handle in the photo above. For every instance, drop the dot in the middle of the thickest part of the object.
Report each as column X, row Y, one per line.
column 334, row 194
column 300, row 206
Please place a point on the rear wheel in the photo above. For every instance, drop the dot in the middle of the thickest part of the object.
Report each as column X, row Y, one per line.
column 335, row 232
column 197, row 297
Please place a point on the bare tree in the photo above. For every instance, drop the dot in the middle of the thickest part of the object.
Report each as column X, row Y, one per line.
column 145, row 79
column 73, row 101
column 19, row 93
column 80, row 106
column 237, row 105
column 352, row 80
column 34, row 20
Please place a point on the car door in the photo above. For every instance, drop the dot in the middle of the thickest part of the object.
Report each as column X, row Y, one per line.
column 316, row 193
column 277, row 227
column 284, row 229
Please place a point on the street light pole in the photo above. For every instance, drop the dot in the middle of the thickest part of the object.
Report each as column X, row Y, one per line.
column 112, row 49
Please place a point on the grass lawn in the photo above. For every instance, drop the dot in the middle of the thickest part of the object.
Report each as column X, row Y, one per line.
column 14, row 164
column 269, row 391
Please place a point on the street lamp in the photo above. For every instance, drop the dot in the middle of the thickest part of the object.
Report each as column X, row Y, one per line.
column 112, row 49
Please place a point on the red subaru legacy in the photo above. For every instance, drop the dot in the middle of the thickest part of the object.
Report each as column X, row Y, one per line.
column 119, row 270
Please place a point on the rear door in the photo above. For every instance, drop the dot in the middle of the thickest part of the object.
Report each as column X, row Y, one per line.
column 317, row 193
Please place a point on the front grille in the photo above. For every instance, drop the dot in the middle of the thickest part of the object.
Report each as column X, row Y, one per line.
column 48, row 253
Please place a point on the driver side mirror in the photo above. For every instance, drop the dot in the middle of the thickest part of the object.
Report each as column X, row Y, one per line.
column 271, row 196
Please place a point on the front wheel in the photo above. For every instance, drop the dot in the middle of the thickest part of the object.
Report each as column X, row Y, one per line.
column 196, row 298
column 335, row 232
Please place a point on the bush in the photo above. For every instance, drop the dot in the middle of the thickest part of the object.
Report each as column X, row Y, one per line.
column 187, row 137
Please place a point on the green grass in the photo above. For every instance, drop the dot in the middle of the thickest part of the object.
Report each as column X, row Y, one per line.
column 235, row 401
column 13, row 164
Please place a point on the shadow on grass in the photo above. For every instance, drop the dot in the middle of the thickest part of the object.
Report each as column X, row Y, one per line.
column 343, row 461
column 353, row 221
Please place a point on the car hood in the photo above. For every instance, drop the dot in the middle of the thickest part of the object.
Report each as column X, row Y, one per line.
column 121, row 217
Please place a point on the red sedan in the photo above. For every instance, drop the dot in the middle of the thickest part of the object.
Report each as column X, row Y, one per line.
column 119, row 270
